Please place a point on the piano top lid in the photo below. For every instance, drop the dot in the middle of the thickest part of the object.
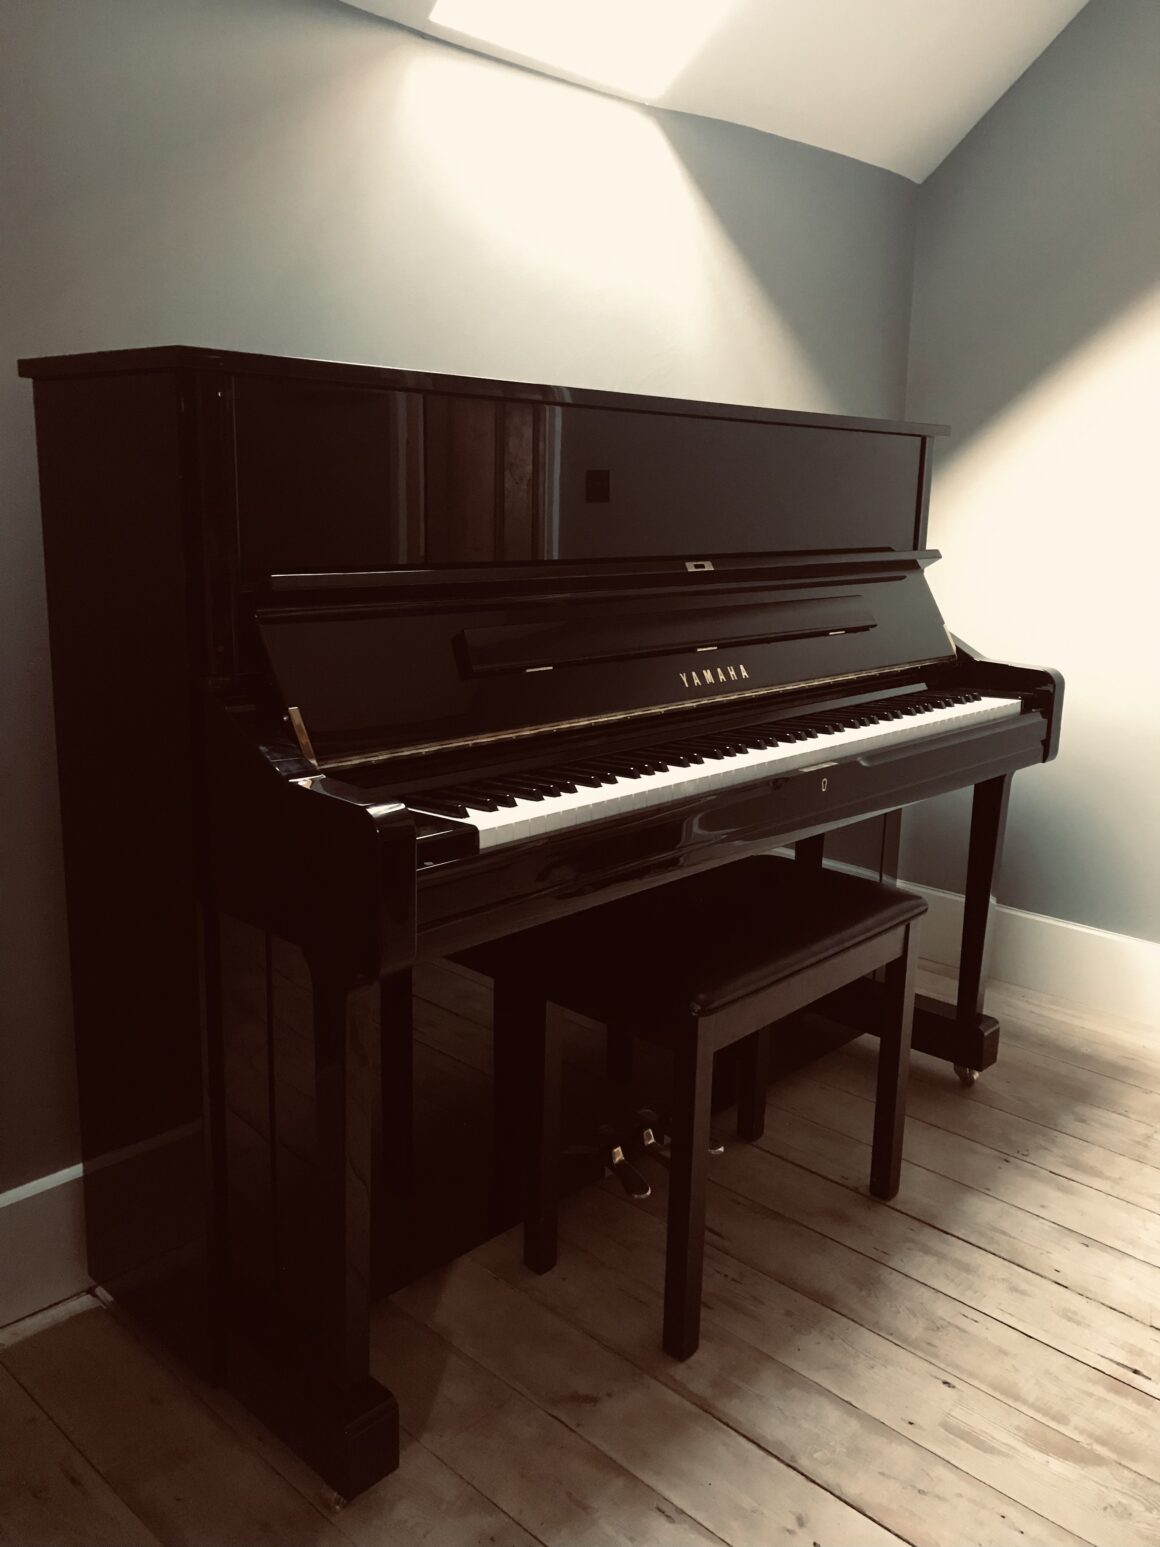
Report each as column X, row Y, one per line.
column 380, row 678
column 189, row 357
column 722, row 571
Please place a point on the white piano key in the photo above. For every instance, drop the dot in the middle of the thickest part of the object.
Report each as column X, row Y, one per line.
column 555, row 813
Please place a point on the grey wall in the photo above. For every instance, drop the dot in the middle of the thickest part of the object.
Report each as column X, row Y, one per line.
column 292, row 176
column 1036, row 334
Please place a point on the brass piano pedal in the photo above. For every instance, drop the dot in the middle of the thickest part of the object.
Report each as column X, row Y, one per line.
column 651, row 1136
column 626, row 1174
column 650, row 1133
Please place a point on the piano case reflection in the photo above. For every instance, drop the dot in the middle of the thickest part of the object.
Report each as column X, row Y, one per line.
column 355, row 667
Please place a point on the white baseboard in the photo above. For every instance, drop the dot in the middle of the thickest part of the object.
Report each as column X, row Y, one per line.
column 42, row 1244
column 42, row 1230
column 1089, row 968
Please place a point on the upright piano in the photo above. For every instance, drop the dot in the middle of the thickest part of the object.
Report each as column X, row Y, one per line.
column 355, row 667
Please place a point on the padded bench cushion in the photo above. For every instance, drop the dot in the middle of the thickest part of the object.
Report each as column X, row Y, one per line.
column 695, row 945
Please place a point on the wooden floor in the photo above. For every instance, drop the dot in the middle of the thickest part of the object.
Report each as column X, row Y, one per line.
column 978, row 1363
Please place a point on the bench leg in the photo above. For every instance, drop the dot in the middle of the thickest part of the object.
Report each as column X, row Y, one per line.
column 527, row 1119
column 893, row 1072
column 618, row 1057
column 752, row 1081
column 542, row 1198
column 684, row 1257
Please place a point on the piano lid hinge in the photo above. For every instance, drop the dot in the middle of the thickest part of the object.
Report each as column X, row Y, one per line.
column 301, row 735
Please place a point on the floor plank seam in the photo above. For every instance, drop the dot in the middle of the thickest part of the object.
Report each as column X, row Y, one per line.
column 717, row 1418
column 76, row 1446
column 915, row 1439
column 527, row 1396
column 898, row 1205
column 197, row 1390
column 991, row 1149
column 720, row 1247
column 463, row 1478
column 926, row 1224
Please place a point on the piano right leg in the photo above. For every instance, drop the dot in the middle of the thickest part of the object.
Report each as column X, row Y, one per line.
column 988, row 822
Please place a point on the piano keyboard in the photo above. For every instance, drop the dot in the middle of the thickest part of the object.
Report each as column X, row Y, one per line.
column 528, row 804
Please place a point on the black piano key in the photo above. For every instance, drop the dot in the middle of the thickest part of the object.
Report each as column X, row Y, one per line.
column 581, row 776
column 601, row 770
column 498, row 795
column 441, row 805
column 682, row 757
column 472, row 797
column 557, row 784
column 625, row 767
column 718, row 746
column 678, row 758
column 522, row 789
column 710, row 750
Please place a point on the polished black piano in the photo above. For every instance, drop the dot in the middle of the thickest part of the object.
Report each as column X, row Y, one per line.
column 356, row 666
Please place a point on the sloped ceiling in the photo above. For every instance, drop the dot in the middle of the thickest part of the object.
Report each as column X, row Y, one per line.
column 896, row 83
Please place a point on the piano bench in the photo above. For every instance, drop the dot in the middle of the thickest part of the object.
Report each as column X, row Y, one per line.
column 697, row 965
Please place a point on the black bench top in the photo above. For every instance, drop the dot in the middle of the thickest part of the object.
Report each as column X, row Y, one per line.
column 698, row 944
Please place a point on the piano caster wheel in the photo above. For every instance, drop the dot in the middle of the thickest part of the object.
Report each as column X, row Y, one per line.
column 966, row 1076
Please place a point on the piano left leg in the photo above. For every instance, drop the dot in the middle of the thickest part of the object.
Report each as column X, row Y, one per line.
column 299, row 1345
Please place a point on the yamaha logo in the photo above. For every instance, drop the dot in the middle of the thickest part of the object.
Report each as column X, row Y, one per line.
column 710, row 676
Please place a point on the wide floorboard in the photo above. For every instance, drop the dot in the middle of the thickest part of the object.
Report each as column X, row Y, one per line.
column 976, row 1363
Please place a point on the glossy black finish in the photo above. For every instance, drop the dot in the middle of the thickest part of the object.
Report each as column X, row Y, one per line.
column 369, row 680
column 228, row 536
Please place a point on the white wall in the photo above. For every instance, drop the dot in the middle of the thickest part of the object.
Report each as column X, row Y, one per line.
column 291, row 176
column 1036, row 334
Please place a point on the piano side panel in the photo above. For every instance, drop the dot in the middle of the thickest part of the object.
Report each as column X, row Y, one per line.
column 121, row 596
column 277, row 1276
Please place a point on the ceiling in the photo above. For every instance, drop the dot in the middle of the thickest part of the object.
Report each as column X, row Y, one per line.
column 896, row 83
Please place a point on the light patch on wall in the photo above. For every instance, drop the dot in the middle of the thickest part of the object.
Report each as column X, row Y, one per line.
column 580, row 202
column 1059, row 495
column 633, row 46
column 1050, row 520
